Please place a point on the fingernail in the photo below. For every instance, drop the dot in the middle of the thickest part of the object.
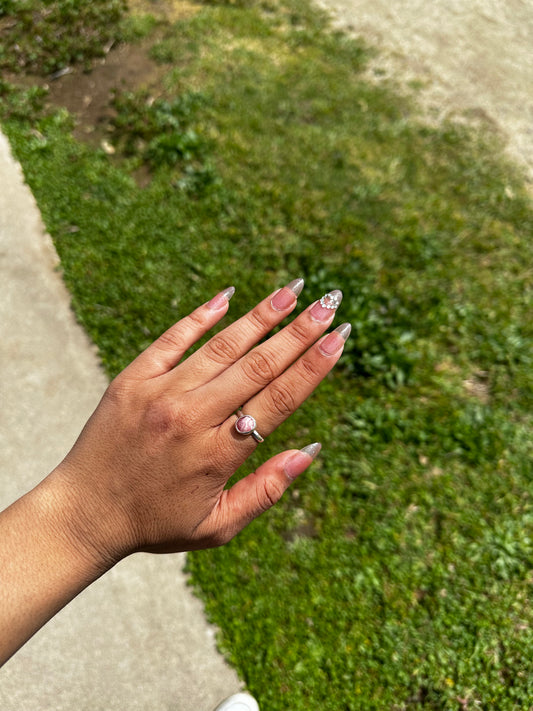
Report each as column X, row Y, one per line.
column 335, row 340
column 283, row 298
column 312, row 449
column 221, row 299
column 323, row 309
column 296, row 286
column 299, row 461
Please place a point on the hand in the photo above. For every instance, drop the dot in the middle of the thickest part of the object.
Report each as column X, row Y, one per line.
column 149, row 471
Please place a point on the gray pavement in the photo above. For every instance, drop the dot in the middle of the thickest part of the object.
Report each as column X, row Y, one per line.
column 137, row 639
column 471, row 57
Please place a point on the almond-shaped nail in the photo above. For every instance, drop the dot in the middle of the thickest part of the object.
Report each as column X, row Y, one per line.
column 283, row 298
column 296, row 286
column 299, row 461
column 323, row 309
column 221, row 299
column 334, row 341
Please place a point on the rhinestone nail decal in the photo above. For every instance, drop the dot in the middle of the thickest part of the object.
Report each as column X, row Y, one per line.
column 331, row 301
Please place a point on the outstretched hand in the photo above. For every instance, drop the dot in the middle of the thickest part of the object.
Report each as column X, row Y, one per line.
column 150, row 468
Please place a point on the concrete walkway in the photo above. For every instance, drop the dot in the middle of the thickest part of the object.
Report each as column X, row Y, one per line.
column 474, row 57
column 137, row 639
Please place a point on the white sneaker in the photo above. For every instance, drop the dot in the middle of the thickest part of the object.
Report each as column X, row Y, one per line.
column 239, row 702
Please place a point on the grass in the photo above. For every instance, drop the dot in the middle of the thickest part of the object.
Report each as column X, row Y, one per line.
column 397, row 573
column 45, row 37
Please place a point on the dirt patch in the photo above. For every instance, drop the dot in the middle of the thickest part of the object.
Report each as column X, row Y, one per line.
column 472, row 59
column 88, row 95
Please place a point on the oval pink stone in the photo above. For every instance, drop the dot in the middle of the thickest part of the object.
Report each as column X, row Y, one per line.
column 245, row 424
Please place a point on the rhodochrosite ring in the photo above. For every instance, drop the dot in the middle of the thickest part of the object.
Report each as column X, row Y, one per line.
column 246, row 425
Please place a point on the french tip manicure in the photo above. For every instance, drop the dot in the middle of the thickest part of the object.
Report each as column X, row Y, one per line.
column 344, row 330
column 296, row 286
column 228, row 293
column 312, row 449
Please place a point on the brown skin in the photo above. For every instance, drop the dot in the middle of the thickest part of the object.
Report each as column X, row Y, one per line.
column 149, row 470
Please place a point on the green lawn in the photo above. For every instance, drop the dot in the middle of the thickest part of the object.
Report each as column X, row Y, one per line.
column 397, row 573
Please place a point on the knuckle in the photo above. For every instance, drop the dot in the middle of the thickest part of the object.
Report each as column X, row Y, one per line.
column 222, row 349
column 268, row 494
column 258, row 367
column 117, row 390
column 166, row 417
column 171, row 340
column 159, row 417
column 299, row 332
column 259, row 321
column 309, row 370
column 282, row 399
column 196, row 319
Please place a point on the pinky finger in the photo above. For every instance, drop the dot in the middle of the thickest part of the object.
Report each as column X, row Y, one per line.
column 256, row 493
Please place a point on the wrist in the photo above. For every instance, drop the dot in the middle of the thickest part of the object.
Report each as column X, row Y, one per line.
column 45, row 561
column 80, row 521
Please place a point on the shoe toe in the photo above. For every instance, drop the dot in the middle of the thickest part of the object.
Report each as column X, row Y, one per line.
column 239, row 702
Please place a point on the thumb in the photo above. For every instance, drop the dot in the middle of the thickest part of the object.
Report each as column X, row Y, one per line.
column 258, row 491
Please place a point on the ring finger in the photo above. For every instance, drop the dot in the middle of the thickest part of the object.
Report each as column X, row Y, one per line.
column 284, row 395
column 262, row 365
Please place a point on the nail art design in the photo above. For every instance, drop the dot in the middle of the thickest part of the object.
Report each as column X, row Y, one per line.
column 332, row 300
column 322, row 311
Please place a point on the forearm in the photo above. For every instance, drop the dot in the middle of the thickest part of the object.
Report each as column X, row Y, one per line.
column 42, row 564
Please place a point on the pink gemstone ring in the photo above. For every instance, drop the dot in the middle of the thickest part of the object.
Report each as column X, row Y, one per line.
column 246, row 424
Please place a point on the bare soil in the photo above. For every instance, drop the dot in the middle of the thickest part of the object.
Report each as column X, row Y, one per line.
column 473, row 59
column 88, row 94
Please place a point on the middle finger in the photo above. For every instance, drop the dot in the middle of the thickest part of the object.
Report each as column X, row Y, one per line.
column 226, row 347
column 255, row 370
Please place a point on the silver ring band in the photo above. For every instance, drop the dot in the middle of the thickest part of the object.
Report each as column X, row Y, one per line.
column 246, row 425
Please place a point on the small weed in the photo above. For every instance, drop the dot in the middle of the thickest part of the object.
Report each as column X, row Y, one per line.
column 164, row 52
column 21, row 105
column 159, row 133
column 44, row 37
column 137, row 27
